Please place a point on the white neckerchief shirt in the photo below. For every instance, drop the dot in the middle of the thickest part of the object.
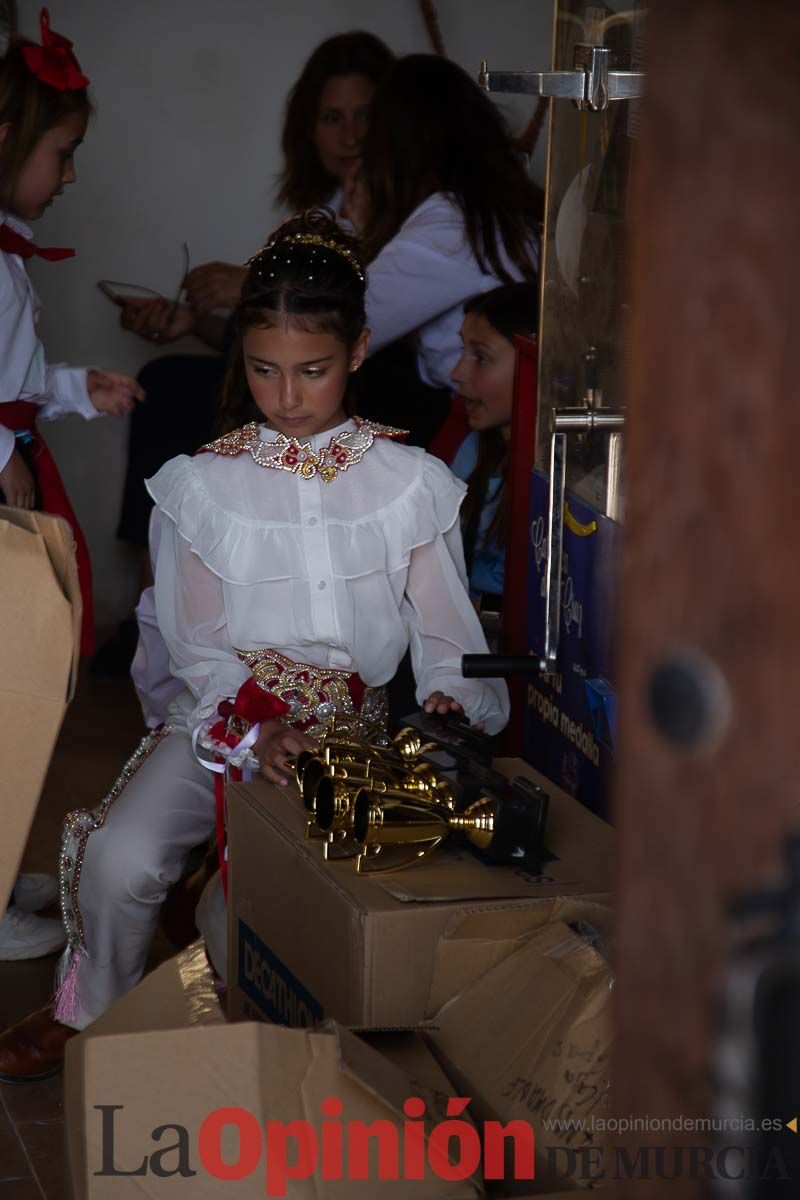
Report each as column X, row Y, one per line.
column 344, row 574
column 420, row 281
column 24, row 372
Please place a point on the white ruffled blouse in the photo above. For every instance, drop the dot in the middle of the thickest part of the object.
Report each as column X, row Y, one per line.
column 24, row 372
column 342, row 574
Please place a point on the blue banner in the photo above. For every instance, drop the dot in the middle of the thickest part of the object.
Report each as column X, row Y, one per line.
column 571, row 718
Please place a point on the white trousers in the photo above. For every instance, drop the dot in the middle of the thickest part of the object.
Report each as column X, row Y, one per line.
column 130, row 863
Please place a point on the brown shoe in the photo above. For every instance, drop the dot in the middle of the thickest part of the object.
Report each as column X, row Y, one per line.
column 34, row 1048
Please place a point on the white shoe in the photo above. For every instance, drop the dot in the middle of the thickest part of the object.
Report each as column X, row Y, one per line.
column 34, row 892
column 22, row 935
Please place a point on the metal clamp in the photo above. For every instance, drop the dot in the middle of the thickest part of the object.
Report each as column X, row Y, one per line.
column 590, row 84
column 587, row 420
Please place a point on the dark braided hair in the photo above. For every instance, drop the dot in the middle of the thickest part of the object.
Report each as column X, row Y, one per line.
column 309, row 275
column 510, row 310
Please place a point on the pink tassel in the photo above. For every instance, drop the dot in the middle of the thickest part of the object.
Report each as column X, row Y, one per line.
column 65, row 1001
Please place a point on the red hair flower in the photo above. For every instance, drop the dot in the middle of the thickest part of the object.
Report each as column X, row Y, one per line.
column 53, row 63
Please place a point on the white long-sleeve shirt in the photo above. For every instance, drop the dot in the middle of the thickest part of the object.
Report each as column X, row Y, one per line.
column 24, row 371
column 344, row 574
column 420, row 281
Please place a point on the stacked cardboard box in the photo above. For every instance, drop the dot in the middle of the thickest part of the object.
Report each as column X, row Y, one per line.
column 506, row 972
column 166, row 1099
column 501, row 974
column 530, row 1039
column 310, row 938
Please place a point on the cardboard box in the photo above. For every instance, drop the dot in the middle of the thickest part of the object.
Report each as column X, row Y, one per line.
column 310, row 939
column 162, row 1060
column 480, row 940
column 531, row 1040
column 40, row 615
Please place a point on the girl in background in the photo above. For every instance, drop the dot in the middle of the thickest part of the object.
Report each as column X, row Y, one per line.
column 446, row 210
column 44, row 111
column 296, row 560
column 484, row 377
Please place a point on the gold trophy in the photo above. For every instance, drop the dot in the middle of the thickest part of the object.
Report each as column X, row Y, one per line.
column 409, row 744
column 395, row 818
column 379, row 801
column 387, row 806
column 340, row 766
column 334, row 793
column 344, row 757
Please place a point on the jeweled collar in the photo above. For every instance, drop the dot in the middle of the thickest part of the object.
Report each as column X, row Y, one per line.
column 347, row 446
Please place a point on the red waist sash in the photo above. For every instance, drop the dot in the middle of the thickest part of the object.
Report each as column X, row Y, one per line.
column 300, row 695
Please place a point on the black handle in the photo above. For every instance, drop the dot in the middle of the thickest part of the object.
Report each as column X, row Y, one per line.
column 493, row 666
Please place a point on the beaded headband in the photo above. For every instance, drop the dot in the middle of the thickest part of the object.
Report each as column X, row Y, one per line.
column 313, row 239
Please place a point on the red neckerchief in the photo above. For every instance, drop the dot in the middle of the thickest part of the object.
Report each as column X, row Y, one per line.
column 14, row 243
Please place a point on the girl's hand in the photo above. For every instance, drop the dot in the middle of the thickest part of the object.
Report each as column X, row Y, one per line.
column 113, row 393
column 277, row 743
column 214, row 285
column 355, row 199
column 19, row 486
column 440, row 703
column 158, row 321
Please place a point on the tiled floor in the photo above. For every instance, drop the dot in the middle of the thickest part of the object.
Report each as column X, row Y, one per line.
column 101, row 728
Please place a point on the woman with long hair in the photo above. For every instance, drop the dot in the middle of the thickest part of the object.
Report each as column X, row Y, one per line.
column 446, row 210
column 327, row 117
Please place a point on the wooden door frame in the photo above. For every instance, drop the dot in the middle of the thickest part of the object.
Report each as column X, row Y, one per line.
column 711, row 579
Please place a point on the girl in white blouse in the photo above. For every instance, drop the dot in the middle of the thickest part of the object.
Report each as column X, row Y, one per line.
column 44, row 112
column 296, row 559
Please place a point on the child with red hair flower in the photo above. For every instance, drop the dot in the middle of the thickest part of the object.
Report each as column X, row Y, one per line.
column 44, row 110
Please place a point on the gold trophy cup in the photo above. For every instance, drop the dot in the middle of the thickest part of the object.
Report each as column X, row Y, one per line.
column 396, row 819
